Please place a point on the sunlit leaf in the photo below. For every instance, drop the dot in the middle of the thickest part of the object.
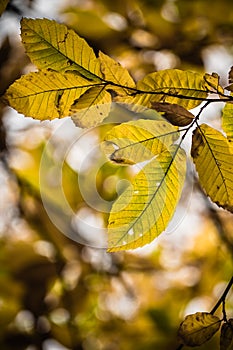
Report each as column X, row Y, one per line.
column 198, row 328
column 46, row 94
column 91, row 108
column 136, row 141
column 144, row 209
column 227, row 120
column 214, row 163
column 3, row 5
column 212, row 83
column 116, row 74
column 175, row 114
column 166, row 85
column 52, row 45
column 226, row 337
column 230, row 78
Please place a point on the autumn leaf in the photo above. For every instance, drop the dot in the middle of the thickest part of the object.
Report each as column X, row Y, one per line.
column 226, row 337
column 3, row 5
column 91, row 108
column 212, row 83
column 198, row 328
column 230, row 79
column 214, row 163
column 145, row 208
column 117, row 75
column 227, row 120
column 137, row 141
column 175, row 114
column 52, row 45
column 169, row 85
column 46, row 94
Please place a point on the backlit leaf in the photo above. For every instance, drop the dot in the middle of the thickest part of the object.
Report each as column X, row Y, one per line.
column 214, row 163
column 198, row 328
column 165, row 85
column 212, row 83
column 145, row 208
column 230, row 78
column 115, row 73
column 46, row 94
column 227, row 120
column 226, row 337
column 93, row 106
column 136, row 141
column 52, row 45
column 175, row 114
column 3, row 5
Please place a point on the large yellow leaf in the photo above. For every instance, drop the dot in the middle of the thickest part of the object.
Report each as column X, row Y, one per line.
column 93, row 106
column 214, row 163
column 52, row 45
column 46, row 94
column 165, row 85
column 227, row 120
column 116, row 74
column 145, row 208
column 137, row 141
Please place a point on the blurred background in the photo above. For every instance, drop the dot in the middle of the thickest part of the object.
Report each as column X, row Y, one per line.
column 58, row 293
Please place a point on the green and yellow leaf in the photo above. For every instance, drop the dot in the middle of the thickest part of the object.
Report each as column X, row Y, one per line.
column 46, row 94
column 212, row 83
column 116, row 74
column 175, row 114
column 145, row 208
column 227, row 120
column 92, row 108
column 52, row 45
column 198, row 328
column 184, row 88
column 140, row 140
column 214, row 163
column 226, row 337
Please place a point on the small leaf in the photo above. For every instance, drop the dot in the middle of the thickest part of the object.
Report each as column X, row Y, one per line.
column 226, row 337
column 3, row 5
column 92, row 108
column 52, row 45
column 230, row 78
column 116, row 74
column 227, row 120
column 169, row 86
column 214, row 163
column 198, row 328
column 175, row 114
column 212, row 83
column 140, row 140
column 145, row 208
column 46, row 94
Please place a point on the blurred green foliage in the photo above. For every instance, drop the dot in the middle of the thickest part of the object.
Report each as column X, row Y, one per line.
column 54, row 289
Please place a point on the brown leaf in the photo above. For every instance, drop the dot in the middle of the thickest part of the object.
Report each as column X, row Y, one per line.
column 175, row 114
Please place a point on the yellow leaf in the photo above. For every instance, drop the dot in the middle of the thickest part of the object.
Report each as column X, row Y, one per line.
column 116, row 74
column 165, row 85
column 198, row 328
column 52, row 45
column 137, row 141
column 227, row 120
column 145, row 208
column 175, row 114
column 93, row 106
column 3, row 5
column 214, row 163
column 46, row 94
column 212, row 83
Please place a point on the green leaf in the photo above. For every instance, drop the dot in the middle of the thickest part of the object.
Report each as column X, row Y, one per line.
column 116, row 74
column 145, row 208
column 226, row 337
column 212, row 83
column 227, row 120
column 52, row 45
column 175, row 114
column 93, row 106
column 213, row 158
column 166, row 85
column 46, row 94
column 198, row 328
column 3, row 5
column 140, row 140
